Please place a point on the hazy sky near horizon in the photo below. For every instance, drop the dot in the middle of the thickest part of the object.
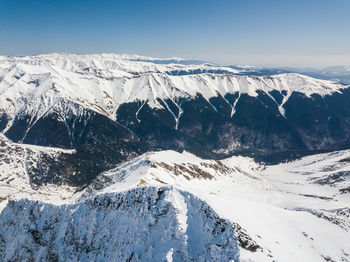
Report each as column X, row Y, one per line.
column 308, row 33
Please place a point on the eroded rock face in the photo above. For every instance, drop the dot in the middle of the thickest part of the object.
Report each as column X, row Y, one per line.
column 143, row 224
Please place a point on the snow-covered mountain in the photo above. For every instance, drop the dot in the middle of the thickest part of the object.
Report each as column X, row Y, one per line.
column 135, row 158
column 131, row 104
column 38, row 173
column 102, row 83
column 144, row 224
column 307, row 199
column 290, row 211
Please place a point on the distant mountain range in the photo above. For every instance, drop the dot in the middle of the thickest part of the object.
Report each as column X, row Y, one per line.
column 80, row 130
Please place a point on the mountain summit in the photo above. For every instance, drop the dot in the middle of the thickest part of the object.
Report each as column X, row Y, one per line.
column 135, row 158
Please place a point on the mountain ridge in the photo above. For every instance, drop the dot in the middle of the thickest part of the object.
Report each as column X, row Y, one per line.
column 301, row 196
column 97, row 105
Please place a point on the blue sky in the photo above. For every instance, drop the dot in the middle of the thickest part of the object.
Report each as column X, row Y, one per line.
column 274, row 33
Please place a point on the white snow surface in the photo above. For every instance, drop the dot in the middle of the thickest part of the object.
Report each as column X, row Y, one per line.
column 294, row 211
column 16, row 161
column 36, row 85
column 143, row 224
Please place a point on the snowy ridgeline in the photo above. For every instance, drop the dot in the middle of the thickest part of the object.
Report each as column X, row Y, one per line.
column 295, row 211
column 33, row 85
column 142, row 224
column 307, row 200
column 67, row 101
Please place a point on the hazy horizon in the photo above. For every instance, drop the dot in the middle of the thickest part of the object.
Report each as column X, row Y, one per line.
column 262, row 33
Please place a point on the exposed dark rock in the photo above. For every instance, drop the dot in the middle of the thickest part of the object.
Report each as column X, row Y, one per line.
column 210, row 129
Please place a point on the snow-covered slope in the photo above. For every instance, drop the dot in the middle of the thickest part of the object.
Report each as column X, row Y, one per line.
column 112, row 108
column 169, row 168
column 35, row 85
column 144, row 224
column 23, row 173
column 294, row 211
column 68, row 101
